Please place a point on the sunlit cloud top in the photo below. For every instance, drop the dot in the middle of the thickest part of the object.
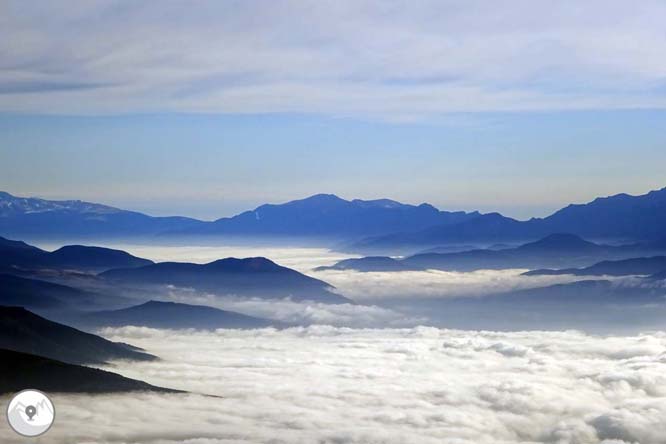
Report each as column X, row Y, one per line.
column 388, row 59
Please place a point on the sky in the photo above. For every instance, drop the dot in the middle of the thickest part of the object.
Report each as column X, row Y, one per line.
column 209, row 108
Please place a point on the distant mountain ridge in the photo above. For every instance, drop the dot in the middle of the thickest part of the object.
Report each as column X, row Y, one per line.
column 380, row 224
column 158, row 314
column 616, row 217
column 555, row 250
column 253, row 277
column 34, row 217
column 626, row 267
column 17, row 254
column 329, row 215
column 320, row 215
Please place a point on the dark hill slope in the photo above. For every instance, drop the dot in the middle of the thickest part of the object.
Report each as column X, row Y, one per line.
column 157, row 314
column 21, row 370
column 81, row 257
column 21, row 330
column 254, row 277
column 19, row 255
column 41, row 295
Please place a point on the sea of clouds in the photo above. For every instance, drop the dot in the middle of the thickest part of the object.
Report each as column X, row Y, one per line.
column 413, row 385
column 370, row 287
column 362, row 287
column 382, row 299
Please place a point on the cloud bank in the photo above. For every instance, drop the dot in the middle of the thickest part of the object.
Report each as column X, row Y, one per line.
column 302, row 312
column 394, row 60
column 338, row 385
column 432, row 284
column 303, row 259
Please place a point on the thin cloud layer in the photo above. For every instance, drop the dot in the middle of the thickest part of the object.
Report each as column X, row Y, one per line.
column 394, row 60
column 377, row 286
column 338, row 385
column 303, row 259
column 302, row 313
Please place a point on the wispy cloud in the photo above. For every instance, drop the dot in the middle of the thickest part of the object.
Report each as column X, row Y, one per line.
column 394, row 60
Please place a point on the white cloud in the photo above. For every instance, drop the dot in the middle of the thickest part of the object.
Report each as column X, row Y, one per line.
column 396, row 60
column 376, row 286
column 301, row 313
column 420, row 385
column 303, row 259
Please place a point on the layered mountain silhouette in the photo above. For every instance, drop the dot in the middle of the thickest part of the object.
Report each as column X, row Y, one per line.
column 17, row 254
column 551, row 251
column 370, row 263
column 383, row 224
column 627, row 267
column 617, row 217
column 580, row 293
column 82, row 257
column 321, row 215
column 327, row 215
column 251, row 277
column 42, row 295
column 23, row 331
column 592, row 305
column 20, row 370
column 33, row 217
column 25, row 279
column 157, row 314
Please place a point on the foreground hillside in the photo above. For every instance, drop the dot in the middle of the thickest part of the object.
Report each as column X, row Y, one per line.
column 23, row 331
column 21, row 370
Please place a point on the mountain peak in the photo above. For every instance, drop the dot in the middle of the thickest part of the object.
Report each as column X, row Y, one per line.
column 322, row 198
column 559, row 241
column 378, row 203
column 154, row 303
column 232, row 264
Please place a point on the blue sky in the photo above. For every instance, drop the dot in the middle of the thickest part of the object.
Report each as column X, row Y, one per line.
column 212, row 108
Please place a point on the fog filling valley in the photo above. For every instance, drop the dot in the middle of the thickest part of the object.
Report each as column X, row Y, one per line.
column 425, row 385
column 372, row 373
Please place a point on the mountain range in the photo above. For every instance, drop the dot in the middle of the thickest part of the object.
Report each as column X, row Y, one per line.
column 616, row 217
column 321, row 215
column 645, row 266
column 26, row 279
column 364, row 225
column 18, row 254
column 555, row 250
column 251, row 277
column 41, row 218
column 599, row 306
column 327, row 215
